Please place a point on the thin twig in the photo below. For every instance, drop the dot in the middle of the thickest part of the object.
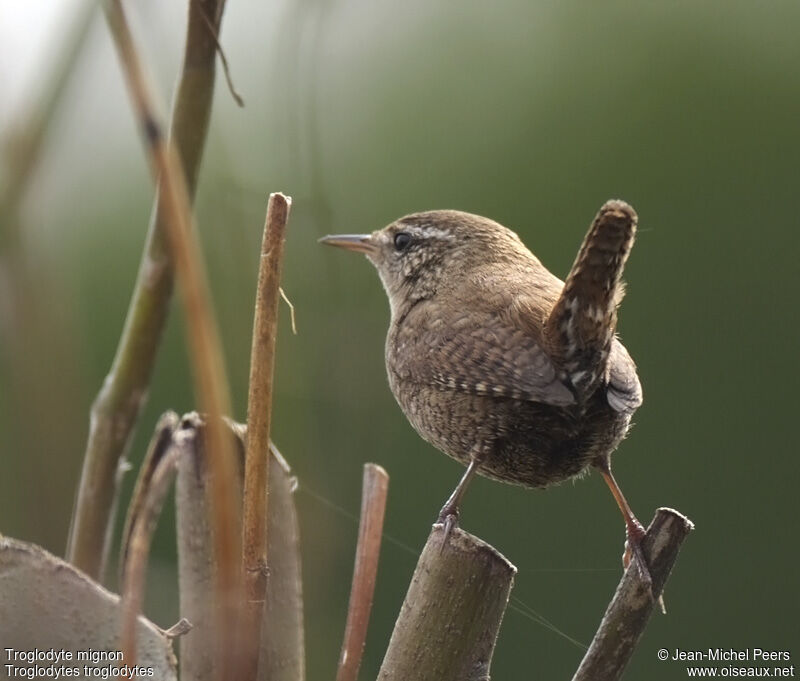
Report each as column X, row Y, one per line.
column 374, row 491
column 118, row 404
column 629, row 611
column 156, row 481
column 225, row 68
column 206, row 352
column 259, row 417
column 179, row 629
column 290, row 305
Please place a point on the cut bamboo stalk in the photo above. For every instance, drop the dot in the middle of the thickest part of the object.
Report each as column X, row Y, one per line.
column 451, row 616
column 632, row 605
column 282, row 648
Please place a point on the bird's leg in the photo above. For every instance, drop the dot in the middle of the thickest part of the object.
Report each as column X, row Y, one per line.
column 448, row 516
column 634, row 530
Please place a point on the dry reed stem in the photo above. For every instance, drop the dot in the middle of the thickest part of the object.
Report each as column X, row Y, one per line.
column 156, row 450
column 156, row 480
column 259, row 417
column 205, row 347
column 374, row 490
column 116, row 408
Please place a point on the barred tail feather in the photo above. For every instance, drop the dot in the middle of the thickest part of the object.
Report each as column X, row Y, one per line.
column 581, row 326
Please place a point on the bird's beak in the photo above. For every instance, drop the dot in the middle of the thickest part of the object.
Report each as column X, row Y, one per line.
column 352, row 242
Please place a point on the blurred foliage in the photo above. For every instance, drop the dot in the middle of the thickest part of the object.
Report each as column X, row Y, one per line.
column 532, row 113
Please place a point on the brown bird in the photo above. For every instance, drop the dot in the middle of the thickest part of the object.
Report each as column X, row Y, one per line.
column 497, row 362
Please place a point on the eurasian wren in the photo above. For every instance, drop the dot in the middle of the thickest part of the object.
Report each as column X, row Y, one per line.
column 497, row 362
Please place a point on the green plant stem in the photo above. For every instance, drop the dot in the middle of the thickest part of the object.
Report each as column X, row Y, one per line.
column 205, row 348
column 116, row 408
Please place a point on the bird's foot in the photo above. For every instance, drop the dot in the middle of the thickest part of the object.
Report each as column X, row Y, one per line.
column 633, row 551
column 448, row 518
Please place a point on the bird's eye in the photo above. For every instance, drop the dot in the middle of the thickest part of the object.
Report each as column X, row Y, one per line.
column 402, row 240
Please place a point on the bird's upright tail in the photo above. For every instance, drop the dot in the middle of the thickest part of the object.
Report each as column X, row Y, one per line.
column 581, row 326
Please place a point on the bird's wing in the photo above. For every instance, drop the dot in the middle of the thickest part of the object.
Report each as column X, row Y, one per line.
column 486, row 353
column 624, row 391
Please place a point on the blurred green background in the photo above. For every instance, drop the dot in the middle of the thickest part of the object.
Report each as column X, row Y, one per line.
column 532, row 113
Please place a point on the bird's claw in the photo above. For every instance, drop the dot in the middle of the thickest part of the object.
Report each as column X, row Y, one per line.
column 448, row 518
column 633, row 551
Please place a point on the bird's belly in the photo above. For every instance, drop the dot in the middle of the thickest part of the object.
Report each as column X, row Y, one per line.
column 521, row 442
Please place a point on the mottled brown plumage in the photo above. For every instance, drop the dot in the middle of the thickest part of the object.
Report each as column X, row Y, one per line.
column 497, row 362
